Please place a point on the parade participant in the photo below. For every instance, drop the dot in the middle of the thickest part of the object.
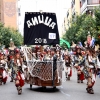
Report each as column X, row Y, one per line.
column 68, row 67
column 91, row 63
column 19, row 78
column 3, row 69
column 54, row 58
column 39, row 55
column 48, row 54
column 98, row 63
column 59, row 53
column 79, row 61
column 11, row 48
column 11, row 59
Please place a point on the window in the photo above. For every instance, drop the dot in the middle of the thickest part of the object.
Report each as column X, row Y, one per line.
column 19, row 14
column 67, row 14
column 95, row 1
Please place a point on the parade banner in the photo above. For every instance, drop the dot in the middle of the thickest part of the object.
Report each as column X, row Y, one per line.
column 40, row 29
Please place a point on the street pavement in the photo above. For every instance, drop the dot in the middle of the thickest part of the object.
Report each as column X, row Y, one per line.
column 70, row 90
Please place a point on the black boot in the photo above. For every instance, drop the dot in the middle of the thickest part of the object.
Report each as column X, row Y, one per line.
column 0, row 81
column 11, row 80
column 90, row 90
column 78, row 81
column 87, row 90
column 81, row 81
column 19, row 90
column 78, row 78
column 68, row 78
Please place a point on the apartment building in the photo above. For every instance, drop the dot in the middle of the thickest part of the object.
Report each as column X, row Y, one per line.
column 72, row 12
column 67, row 19
column 8, row 13
column 87, row 6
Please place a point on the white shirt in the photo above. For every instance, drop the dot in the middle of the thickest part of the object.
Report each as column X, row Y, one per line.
column 18, row 62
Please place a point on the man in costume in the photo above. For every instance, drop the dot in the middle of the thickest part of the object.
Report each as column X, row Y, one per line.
column 91, row 68
column 11, row 59
column 79, row 64
column 54, row 58
column 68, row 67
column 19, row 77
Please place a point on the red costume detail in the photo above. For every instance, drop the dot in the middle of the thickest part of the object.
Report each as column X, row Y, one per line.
column 70, row 73
column 21, row 81
column 3, row 79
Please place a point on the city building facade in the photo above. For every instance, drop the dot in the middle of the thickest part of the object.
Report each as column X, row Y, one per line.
column 87, row 6
column 8, row 13
column 67, row 21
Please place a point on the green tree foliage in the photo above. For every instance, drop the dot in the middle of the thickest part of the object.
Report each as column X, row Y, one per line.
column 97, row 19
column 7, row 33
column 83, row 24
column 79, row 29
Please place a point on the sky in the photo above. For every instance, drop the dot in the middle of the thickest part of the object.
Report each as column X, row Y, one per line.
column 59, row 7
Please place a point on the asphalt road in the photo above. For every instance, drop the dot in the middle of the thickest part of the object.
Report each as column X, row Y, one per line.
column 70, row 90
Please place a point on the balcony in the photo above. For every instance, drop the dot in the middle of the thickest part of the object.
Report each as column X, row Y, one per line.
column 84, row 6
column 72, row 3
column 89, row 4
column 92, row 2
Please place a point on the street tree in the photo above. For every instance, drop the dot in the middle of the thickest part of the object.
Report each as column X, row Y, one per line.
column 7, row 33
column 79, row 29
column 97, row 19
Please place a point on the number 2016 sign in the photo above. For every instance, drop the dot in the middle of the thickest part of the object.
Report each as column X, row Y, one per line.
column 39, row 40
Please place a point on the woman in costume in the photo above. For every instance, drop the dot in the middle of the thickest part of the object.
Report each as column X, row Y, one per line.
column 19, row 78
column 3, row 69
